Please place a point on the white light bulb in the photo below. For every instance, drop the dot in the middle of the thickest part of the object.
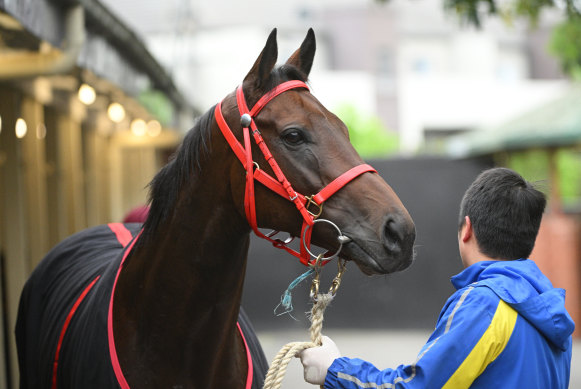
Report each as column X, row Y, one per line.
column 116, row 112
column 21, row 128
column 153, row 128
column 138, row 127
column 87, row 94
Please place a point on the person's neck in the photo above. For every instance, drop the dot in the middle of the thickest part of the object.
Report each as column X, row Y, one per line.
column 477, row 256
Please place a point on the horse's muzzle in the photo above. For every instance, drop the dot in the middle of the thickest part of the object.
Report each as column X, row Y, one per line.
column 398, row 239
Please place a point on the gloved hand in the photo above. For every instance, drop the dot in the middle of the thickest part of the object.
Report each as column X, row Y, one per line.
column 317, row 360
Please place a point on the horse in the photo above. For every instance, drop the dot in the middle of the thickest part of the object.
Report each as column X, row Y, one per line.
column 158, row 305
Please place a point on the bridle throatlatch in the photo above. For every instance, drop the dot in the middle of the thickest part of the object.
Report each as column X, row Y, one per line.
column 280, row 184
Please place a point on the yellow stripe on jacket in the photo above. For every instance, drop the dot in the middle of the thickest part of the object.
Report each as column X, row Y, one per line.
column 488, row 348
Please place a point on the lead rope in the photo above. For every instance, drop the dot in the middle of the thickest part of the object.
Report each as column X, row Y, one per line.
column 279, row 365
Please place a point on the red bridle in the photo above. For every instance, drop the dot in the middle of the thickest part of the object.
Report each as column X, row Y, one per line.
column 280, row 185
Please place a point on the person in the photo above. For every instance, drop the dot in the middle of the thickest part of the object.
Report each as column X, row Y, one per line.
column 505, row 326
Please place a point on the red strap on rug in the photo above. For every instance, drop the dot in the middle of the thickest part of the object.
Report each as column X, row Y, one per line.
column 124, row 237
column 64, row 330
column 250, row 371
column 112, row 350
column 121, row 232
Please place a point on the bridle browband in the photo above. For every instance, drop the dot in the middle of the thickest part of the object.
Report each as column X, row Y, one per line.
column 280, row 185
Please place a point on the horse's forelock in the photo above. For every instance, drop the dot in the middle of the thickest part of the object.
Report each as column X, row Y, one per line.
column 278, row 75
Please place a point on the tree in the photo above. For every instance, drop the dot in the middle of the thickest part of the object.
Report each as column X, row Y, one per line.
column 566, row 45
column 369, row 137
column 534, row 166
column 565, row 41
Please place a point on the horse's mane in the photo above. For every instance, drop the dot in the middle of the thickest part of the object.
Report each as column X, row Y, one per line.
column 168, row 182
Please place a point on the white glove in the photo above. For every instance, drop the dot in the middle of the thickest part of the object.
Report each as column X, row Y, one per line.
column 317, row 360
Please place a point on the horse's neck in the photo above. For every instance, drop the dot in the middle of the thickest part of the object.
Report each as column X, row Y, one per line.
column 178, row 296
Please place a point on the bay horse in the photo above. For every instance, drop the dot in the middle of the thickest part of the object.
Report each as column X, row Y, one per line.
column 159, row 305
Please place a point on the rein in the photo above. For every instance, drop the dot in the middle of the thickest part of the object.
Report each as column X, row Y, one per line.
column 278, row 367
column 280, row 185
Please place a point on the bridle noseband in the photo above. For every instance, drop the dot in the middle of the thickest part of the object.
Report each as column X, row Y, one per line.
column 280, row 185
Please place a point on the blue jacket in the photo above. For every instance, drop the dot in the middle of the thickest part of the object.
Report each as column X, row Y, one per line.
column 505, row 326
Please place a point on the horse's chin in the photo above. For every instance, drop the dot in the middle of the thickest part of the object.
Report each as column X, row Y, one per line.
column 371, row 263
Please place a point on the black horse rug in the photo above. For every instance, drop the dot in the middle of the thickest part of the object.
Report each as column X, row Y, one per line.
column 64, row 332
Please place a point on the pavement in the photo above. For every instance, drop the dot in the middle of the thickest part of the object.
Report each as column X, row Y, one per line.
column 385, row 349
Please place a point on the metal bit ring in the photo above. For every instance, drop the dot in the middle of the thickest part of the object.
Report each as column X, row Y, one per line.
column 341, row 238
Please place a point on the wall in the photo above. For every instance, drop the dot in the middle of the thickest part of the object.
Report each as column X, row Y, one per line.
column 42, row 197
column 13, row 247
column 67, row 173
column 558, row 254
column 431, row 190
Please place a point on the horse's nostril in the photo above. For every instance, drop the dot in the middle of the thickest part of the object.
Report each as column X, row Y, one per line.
column 392, row 235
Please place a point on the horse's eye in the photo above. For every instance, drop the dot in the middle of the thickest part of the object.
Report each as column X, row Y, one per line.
column 293, row 137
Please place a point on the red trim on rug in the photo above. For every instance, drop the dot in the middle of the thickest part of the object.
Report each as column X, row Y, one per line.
column 121, row 232
column 249, row 373
column 64, row 330
column 112, row 351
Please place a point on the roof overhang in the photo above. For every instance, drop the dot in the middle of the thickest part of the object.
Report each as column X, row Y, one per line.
column 108, row 49
column 553, row 125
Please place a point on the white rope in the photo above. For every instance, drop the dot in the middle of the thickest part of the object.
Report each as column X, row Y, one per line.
column 279, row 365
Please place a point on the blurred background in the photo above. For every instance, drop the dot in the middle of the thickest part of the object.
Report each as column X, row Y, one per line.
column 95, row 96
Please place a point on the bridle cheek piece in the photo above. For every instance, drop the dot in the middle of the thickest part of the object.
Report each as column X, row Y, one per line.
column 280, row 185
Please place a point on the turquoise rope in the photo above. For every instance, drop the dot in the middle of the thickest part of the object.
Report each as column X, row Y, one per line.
column 286, row 300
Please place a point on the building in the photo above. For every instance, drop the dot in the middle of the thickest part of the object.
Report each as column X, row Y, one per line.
column 435, row 78
column 73, row 81
column 412, row 64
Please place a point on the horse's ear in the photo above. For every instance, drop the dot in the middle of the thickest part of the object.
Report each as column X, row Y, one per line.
column 265, row 62
column 303, row 57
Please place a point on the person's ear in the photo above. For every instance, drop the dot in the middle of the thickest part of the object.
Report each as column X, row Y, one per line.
column 467, row 232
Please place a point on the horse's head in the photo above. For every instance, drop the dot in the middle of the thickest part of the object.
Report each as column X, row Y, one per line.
column 311, row 146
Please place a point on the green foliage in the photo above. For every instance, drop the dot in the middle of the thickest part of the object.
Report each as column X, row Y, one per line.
column 566, row 39
column 566, row 45
column 471, row 11
column 533, row 165
column 531, row 9
column 369, row 137
column 158, row 105
column 569, row 167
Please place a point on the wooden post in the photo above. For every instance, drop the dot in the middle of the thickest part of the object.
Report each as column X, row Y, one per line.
column 13, row 232
column 97, row 172
column 33, row 150
column 71, row 176
column 555, row 204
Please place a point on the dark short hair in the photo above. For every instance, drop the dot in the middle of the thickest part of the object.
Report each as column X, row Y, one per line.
column 505, row 211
